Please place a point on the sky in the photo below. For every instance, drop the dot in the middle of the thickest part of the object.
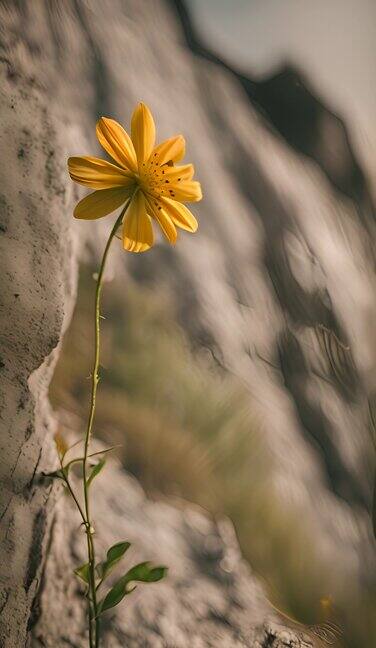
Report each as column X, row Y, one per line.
column 333, row 41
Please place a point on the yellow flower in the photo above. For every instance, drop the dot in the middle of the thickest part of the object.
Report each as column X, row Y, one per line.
column 145, row 174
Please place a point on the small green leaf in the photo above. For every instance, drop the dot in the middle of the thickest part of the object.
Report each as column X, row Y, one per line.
column 142, row 572
column 83, row 572
column 93, row 454
column 105, row 450
column 114, row 555
column 96, row 470
column 145, row 573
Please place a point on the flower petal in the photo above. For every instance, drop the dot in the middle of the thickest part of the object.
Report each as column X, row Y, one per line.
column 117, row 143
column 143, row 132
column 164, row 221
column 178, row 173
column 186, row 191
column 172, row 149
column 101, row 202
column 138, row 233
column 98, row 174
column 179, row 214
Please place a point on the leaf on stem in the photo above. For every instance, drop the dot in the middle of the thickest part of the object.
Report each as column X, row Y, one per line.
column 83, row 572
column 143, row 573
column 114, row 555
column 104, row 451
column 95, row 471
column 93, row 454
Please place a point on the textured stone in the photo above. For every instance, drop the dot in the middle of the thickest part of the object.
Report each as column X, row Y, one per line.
column 209, row 597
column 38, row 281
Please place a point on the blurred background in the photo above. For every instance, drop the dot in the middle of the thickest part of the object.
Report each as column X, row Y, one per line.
column 238, row 370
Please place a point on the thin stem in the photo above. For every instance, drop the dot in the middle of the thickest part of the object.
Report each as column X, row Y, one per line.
column 82, row 514
column 73, row 495
column 93, row 606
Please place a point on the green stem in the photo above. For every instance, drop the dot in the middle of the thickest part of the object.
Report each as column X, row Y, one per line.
column 93, row 605
column 73, row 495
column 82, row 514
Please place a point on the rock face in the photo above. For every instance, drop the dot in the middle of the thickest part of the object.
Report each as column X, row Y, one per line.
column 208, row 599
column 279, row 284
column 39, row 277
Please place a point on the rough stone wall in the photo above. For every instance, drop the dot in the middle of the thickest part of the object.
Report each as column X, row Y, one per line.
column 284, row 253
column 210, row 598
column 37, row 289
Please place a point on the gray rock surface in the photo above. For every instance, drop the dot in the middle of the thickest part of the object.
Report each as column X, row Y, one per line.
column 38, row 272
column 209, row 598
column 287, row 302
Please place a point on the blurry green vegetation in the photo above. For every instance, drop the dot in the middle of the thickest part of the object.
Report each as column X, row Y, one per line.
column 188, row 430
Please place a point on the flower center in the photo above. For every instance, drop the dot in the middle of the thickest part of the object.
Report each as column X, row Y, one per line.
column 153, row 178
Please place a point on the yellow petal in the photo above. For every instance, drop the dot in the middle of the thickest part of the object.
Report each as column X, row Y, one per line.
column 98, row 174
column 143, row 132
column 172, row 149
column 165, row 223
column 137, row 228
column 180, row 214
column 178, row 173
column 186, row 191
column 117, row 143
column 101, row 202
